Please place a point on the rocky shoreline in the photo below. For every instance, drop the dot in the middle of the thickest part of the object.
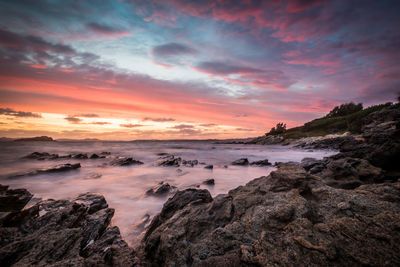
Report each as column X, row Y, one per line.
column 339, row 211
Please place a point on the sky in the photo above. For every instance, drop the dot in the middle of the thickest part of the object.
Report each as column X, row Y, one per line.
column 125, row 70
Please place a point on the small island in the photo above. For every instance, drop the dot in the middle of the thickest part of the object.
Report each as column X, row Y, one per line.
column 37, row 138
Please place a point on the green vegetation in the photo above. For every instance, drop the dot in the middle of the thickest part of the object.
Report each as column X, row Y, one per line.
column 279, row 129
column 343, row 118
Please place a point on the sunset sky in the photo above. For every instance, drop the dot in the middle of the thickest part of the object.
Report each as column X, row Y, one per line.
column 124, row 70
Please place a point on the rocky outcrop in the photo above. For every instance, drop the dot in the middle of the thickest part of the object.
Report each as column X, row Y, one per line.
column 13, row 199
column 241, row 162
column 210, row 181
column 210, row 167
column 288, row 218
column 161, row 189
column 123, row 161
column 263, row 162
column 61, row 233
column 168, row 160
column 53, row 169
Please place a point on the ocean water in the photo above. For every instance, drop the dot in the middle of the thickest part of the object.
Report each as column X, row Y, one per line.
column 124, row 187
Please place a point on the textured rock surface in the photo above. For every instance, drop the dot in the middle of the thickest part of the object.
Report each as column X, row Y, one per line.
column 241, row 162
column 122, row 161
column 288, row 218
column 61, row 233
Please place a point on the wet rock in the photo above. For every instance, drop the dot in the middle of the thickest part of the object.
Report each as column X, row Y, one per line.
column 241, row 162
column 209, row 181
column 289, row 217
column 41, row 156
column 60, row 168
column 169, row 161
column 160, row 190
column 210, row 167
column 125, row 162
column 309, row 163
column 13, row 199
column 80, row 156
column 264, row 162
column 190, row 163
column 105, row 153
column 63, row 233
column 95, row 156
column 162, row 154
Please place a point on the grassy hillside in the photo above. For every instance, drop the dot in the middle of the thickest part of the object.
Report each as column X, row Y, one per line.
column 329, row 125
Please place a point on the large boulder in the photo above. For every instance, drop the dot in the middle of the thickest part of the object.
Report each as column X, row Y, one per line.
column 62, row 233
column 288, row 218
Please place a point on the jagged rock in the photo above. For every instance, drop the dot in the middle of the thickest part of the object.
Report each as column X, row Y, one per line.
column 94, row 156
column 57, row 168
column 241, row 162
column 160, row 190
column 349, row 173
column 210, row 167
column 63, row 233
column 80, row 156
column 190, row 163
column 125, row 162
column 263, row 162
column 209, row 181
column 41, row 156
column 288, row 218
column 13, row 199
column 169, row 160
column 308, row 163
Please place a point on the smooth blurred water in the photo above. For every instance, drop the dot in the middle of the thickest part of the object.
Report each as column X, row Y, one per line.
column 125, row 187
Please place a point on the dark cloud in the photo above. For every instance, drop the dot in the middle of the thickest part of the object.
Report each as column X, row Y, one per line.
column 73, row 120
column 244, row 130
column 217, row 67
column 105, row 29
column 158, row 119
column 87, row 115
column 173, row 49
column 130, row 125
column 182, row 126
column 14, row 113
column 208, row 124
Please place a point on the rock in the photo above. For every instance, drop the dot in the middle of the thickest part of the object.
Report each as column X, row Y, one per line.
column 264, row 162
column 94, row 156
column 13, row 199
column 60, row 168
column 209, row 182
column 308, row 163
column 122, row 161
column 210, row 167
column 41, row 156
column 349, row 173
column 162, row 154
column 289, row 217
column 54, row 169
column 169, row 161
column 63, row 233
column 160, row 190
column 190, row 163
column 105, row 153
column 266, row 140
column 80, row 156
column 241, row 162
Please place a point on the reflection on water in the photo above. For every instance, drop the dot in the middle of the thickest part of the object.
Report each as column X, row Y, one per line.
column 125, row 187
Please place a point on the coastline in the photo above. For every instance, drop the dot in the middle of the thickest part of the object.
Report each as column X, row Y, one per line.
column 340, row 210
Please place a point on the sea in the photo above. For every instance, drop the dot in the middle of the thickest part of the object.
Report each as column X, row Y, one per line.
column 124, row 187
